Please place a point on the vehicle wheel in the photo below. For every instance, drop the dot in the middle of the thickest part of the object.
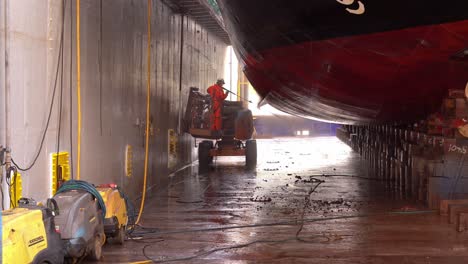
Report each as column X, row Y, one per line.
column 204, row 157
column 251, row 153
column 120, row 237
column 244, row 125
column 42, row 261
column 211, row 147
column 53, row 254
column 96, row 252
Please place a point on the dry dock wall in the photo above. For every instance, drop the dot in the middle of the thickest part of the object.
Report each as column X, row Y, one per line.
column 431, row 170
column 414, row 165
column 113, row 86
column 426, row 161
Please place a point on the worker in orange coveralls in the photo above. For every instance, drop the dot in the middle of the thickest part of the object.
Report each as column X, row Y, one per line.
column 217, row 96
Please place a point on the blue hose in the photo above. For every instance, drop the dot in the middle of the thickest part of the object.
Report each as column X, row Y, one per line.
column 82, row 185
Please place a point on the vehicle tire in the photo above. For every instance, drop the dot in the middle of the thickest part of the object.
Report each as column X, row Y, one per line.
column 243, row 127
column 120, row 237
column 251, row 153
column 44, row 261
column 211, row 147
column 54, row 253
column 96, row 252
column 204, row 157
column 47, row 260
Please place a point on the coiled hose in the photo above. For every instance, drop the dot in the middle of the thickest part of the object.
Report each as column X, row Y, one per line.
column 82, row 185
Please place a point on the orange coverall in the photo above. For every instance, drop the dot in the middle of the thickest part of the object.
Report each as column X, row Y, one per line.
column 217, row 96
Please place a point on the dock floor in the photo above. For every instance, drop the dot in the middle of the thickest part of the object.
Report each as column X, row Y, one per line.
column 308, row 201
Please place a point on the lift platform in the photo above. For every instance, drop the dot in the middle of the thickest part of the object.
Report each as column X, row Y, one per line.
column 235, row 139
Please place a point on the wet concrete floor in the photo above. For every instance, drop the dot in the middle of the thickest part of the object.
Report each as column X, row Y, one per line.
column 348, row 217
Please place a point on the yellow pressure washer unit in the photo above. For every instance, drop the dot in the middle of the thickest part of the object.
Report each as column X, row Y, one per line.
column 116, row 219
column 29, row 236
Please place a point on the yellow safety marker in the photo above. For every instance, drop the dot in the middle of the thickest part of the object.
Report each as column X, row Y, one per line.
column 129, row 161
column 16, row 189
column 60, row 170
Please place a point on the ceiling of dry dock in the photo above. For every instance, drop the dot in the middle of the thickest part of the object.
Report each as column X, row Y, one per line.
column 204, row 12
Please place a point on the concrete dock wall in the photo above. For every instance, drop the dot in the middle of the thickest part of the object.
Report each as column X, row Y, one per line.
column 113, row 87
column 414, row 165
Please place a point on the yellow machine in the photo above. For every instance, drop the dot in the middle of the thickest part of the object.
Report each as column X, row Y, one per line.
column 115, row 223
column 28, row 236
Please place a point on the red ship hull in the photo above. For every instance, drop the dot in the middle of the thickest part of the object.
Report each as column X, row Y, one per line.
column 388, row 76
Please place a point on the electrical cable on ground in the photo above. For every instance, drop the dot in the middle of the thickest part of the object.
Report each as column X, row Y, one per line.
column 148, row 101
column 209, row 252
column 291, row 222
column 346, row 175
column 154, row 230
column 306, row 205
column 302, row 221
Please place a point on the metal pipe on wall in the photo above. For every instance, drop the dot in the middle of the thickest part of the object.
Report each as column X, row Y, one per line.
column 6, row 91
column 230, row 74
column 179, row 113
column 100, row 66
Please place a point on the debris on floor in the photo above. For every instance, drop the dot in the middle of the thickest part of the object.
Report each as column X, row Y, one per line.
column 261, row 199
column 269, row 219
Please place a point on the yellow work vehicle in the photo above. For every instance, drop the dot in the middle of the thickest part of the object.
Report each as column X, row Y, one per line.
column 29, row 236
column 115, row 222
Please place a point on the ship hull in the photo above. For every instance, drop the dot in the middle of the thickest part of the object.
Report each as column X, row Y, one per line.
column 392, row 63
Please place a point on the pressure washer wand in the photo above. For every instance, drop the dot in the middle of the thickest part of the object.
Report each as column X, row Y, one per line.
column 243, row 99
